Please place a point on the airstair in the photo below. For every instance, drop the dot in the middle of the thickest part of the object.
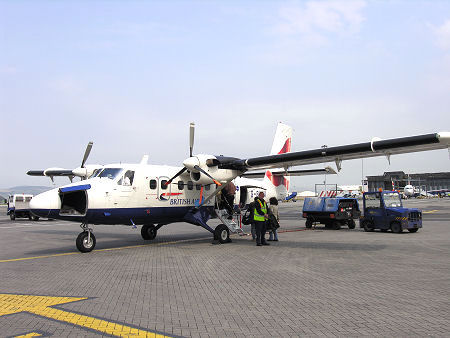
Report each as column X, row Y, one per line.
column 233, row 224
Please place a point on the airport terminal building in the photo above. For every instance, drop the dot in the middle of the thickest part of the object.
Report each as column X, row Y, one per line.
column 398, row 179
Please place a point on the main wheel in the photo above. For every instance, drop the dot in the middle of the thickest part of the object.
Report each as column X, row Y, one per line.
column 148, row 232
column 351, row 224
column 308, row 223
column 12, row 215
column 222, row 234
column 368, row 226
column 413, row 230
column 83, row 242
column 396, row 227
column 336, row 225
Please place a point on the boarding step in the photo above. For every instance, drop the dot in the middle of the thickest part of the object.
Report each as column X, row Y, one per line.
column 231, row 224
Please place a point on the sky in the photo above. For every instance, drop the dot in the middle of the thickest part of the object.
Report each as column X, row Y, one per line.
column 131, row 75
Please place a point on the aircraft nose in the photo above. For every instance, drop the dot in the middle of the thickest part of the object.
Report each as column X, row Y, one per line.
column 42, row 204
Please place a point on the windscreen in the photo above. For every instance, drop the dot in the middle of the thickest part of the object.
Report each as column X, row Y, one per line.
column 392, row 200
column 110, row 173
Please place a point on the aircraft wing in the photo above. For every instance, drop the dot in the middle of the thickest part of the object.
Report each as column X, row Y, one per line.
column 326, row 170
column 337, row 154
column 51, row 172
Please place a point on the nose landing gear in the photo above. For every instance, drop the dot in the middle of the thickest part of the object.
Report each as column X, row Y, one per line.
column 86, row 240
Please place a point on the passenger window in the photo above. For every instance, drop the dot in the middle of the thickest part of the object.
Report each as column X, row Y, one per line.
column 27, row 199
column 190, row 185
column 207, row 187
column 180, row 185
column 152, row 184
column 19, row 199
column 164, row 185
column 198, row 186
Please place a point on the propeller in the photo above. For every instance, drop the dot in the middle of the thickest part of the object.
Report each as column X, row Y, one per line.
column 82, row 171
column 86, row 153
column 196, row 167
column 176, row 175
column 192, row 163
column 191, row 138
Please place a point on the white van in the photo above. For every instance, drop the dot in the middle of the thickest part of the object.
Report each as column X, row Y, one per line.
column 19, row 206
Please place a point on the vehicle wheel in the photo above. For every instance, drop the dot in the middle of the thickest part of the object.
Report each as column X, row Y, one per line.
column 413, row 230
column 12, row 215
column 30, row 217
column 368, row 226
column 351, row 224
column 35, row 218
column 222, row 234
column 83, row 244
column 308, row 223
column 336, row 225
column 396, row 227
column 148, row 232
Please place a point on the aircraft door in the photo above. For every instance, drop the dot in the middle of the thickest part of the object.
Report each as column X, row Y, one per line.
column 164, row 191
column 243, row 193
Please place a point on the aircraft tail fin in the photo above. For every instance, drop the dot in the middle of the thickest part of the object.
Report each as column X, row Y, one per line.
column 281, row 145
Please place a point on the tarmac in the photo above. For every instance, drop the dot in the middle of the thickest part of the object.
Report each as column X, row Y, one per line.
column 313, row 282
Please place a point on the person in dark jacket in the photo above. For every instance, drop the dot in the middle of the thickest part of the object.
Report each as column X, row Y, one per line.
column 260, row 216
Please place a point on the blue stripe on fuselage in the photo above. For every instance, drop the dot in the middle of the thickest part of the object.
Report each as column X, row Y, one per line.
column 124, row 215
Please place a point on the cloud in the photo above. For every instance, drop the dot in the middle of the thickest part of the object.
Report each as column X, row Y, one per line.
column 442, row 35
column 314, row 20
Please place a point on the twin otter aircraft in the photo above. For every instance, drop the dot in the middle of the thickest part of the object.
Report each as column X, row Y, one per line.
column 156, row 195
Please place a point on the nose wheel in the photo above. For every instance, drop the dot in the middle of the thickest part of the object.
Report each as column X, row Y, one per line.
column 86, row 240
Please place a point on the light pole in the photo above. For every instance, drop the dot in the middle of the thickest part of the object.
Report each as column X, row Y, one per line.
column 325, row 181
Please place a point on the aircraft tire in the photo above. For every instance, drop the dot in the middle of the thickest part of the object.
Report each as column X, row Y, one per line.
column 82, row 242
column 368, row 226
column 148, row 232
column 351, row 224
column 12, row 215
column 222, row 234
column 396, row 227
column 308, row 223
column 413, row 230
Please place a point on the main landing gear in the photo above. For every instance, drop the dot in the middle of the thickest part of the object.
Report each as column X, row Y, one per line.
column 149, row 231
column 222, row 234
column 86, row 239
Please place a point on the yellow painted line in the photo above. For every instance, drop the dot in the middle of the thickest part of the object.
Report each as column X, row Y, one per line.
column 429, row 211
column 31, row 334
column 100, row 250
column 41, row 306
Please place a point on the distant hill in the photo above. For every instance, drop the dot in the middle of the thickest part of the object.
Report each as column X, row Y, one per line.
column 24, row 189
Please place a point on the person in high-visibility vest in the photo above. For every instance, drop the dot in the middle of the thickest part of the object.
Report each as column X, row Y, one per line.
column 260, row 217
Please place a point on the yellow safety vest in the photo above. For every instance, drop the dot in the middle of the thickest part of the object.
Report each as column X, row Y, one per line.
column 258, row 217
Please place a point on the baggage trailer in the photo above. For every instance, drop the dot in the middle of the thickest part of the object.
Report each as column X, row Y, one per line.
column 384, row 210
column 334, row 212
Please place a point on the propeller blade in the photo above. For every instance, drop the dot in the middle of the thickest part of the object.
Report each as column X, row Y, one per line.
column 191, row 138
column 176, row 175
column 86, row 153
column 196, row 167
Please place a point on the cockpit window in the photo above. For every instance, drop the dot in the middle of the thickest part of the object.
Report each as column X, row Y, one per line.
column 110, row 173
column 95, row 173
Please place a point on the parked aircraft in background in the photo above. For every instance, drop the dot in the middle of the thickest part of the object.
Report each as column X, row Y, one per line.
column 274, row 183
column 145, row 194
